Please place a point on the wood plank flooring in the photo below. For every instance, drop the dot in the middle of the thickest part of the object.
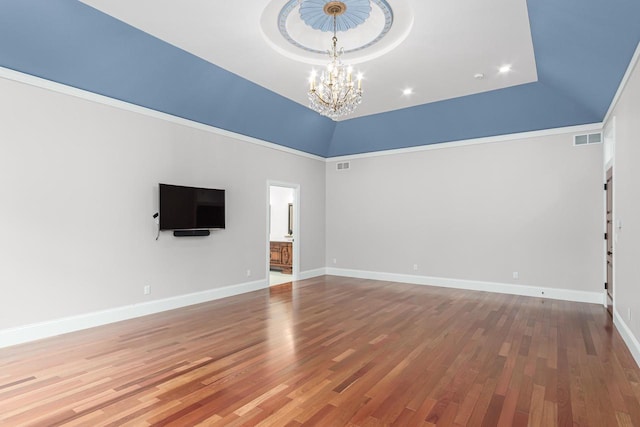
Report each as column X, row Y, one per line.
column 333, row 352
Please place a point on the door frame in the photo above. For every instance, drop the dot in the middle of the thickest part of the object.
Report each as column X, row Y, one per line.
column 610, row 241
column 296, row 228
column 609, row 163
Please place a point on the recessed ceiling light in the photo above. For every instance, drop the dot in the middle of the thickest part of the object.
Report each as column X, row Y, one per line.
column 505, row 69
column 408, row 91
column 478, row 76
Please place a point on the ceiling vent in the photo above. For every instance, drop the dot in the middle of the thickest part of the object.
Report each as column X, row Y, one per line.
column 343, row 166
column 586, row 139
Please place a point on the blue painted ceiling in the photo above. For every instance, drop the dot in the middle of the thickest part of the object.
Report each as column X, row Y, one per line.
column 582, row 49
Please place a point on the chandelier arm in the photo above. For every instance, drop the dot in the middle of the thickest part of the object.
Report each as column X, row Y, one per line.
column 322, row 101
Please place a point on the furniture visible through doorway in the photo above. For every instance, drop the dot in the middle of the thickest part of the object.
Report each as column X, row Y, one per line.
column 281, row 257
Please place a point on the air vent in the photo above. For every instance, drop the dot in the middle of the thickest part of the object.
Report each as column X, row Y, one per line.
column 591, row 138
column 343, row 166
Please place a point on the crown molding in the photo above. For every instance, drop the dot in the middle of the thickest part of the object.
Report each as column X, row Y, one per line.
column 39, row 82
column 474, row 141
column 623, row 83
column 31, row 80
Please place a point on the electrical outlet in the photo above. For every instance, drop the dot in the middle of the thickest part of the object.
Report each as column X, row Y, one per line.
column 415, row 267
column 147, row 289
column 516, row 275
column 248, row 273
column 335, row 261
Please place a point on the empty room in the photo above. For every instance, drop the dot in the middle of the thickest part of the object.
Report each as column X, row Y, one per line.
column 317, row 212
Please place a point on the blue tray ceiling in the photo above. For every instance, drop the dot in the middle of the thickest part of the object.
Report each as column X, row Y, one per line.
column 582, row 50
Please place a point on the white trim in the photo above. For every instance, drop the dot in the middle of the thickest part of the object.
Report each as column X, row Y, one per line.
column 609, row 140
column 310, row 274
column 296, row 242
column 474, row 141
column 36, row 331
column 28, row 79
column 623, row 83
column 55, row 327
column 630, row 340
column 604, row 241
column 501, row 288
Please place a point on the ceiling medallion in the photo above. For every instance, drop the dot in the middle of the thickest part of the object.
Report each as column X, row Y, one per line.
column 355, row 13
column 318, row 14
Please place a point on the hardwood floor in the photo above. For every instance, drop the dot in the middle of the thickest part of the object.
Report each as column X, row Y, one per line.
column 333, row 352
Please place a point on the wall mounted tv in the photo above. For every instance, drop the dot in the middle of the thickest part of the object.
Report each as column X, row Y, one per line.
column 190, row 208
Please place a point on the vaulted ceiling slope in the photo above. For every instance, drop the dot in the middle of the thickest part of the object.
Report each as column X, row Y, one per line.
column 582, row 49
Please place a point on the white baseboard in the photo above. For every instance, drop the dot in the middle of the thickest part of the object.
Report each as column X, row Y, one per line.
column 502, row 288
column 35, row 331
column 629, row 339
column 310, row 274
column 51, row 328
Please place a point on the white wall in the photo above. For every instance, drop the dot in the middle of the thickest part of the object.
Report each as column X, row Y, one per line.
column 478, row 212
column 280, row 197
column 626, row 193
column 79, row 187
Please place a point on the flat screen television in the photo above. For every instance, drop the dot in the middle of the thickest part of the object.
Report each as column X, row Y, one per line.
column 191, row 208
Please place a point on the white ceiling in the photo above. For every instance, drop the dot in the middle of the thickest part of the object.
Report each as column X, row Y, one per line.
column 434, row 47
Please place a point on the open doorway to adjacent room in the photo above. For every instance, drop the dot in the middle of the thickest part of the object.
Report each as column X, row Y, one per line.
column 282, row 233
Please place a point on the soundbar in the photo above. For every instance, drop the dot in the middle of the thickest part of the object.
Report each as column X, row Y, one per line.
column 190, row 233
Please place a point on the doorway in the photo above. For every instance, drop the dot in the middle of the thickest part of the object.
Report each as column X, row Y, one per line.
column 609, row 239
column 282, row 232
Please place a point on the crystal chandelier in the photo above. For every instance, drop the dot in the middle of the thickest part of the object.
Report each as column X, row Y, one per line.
column 335, row 94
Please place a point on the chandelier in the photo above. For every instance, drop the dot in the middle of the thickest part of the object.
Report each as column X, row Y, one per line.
column 335, row 94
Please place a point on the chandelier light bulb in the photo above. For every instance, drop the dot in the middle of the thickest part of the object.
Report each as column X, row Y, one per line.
column 312, row 80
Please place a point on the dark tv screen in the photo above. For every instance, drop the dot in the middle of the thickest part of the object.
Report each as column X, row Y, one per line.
column 189, row 208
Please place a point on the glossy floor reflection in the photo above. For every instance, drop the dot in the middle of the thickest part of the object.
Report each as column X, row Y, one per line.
column 333, row 351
